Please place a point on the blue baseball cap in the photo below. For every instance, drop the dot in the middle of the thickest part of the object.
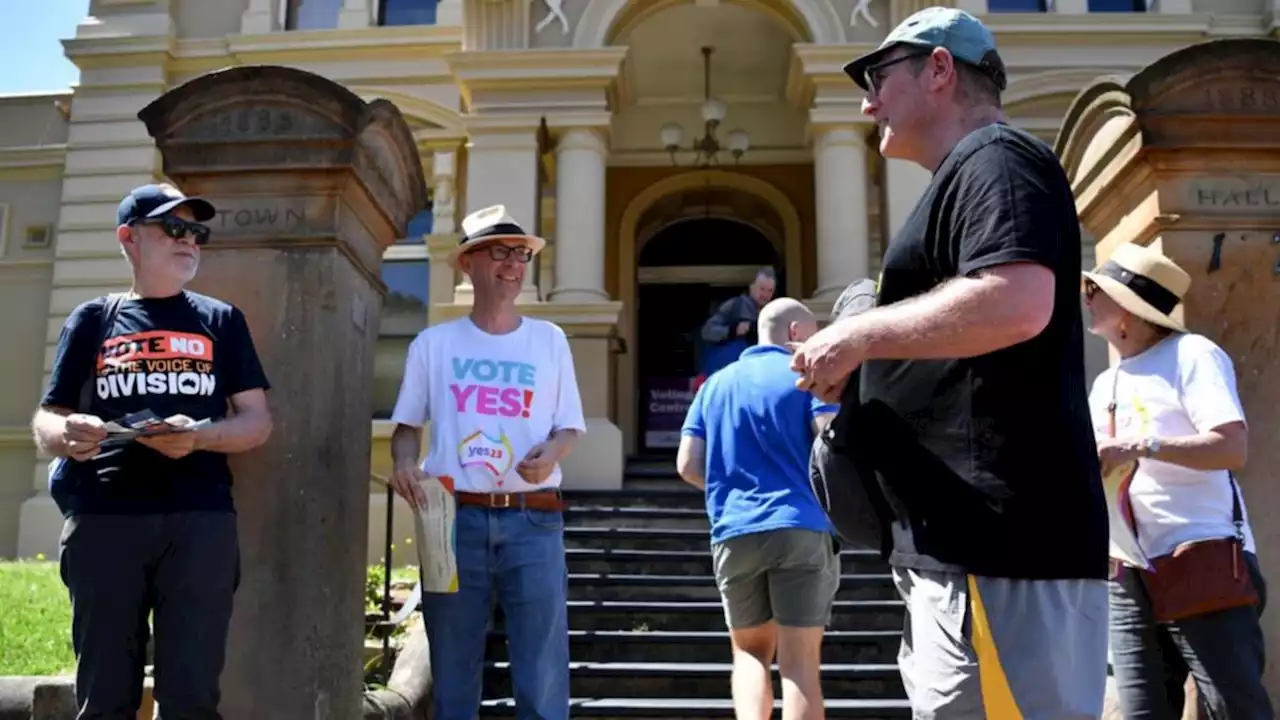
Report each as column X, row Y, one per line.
column 962, row 34
column 152, row 201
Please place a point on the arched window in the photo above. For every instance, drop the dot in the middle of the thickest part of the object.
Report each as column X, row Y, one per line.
column 407, row 12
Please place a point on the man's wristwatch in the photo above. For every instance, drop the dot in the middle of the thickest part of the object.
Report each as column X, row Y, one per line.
column 1150, row 446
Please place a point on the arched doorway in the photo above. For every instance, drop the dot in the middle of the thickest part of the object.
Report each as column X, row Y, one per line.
column 687, row 267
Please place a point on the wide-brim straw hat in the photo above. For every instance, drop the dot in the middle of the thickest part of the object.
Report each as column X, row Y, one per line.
column 1144, row 282
column 490, row 225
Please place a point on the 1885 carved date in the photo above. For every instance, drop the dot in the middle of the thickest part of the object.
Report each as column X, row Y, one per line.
column 1241, row 98
column 243, row 123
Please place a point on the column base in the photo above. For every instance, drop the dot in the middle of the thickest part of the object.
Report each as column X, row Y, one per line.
column 597, row 461
column 354, row 19
column 449, row 13
column 577, row 295
column 254, row 22
column 39, row 527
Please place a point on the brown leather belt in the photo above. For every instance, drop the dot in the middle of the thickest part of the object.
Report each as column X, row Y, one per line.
column 550, row 500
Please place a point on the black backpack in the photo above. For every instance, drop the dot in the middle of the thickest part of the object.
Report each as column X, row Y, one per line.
column 845, row 483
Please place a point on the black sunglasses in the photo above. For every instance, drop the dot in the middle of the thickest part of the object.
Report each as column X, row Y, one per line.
column 501, row 252
column 875, row 74
column 177, row 228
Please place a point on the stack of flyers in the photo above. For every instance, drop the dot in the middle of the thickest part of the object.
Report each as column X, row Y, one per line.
column 146, row 423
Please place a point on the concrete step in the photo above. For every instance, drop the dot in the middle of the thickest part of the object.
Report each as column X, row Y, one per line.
column 838, row 646
column 600, row 515
column 669, row 708
column 709, row 615
column 664, row 480
column 671, row 497
column 696, row 680
column 637, row 538
column 598, row 559
column 614, row 586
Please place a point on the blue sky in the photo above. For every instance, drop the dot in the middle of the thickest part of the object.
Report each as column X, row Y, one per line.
column 31, row 44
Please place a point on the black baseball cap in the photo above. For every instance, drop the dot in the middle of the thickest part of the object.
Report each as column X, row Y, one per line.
column 152, row 201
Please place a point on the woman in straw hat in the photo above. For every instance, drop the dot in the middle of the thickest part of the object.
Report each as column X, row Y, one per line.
column 1170, row 430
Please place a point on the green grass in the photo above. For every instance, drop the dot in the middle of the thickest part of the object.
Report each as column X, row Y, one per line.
column 35, row 620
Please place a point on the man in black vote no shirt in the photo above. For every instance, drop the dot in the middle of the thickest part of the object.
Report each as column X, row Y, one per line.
column 972, row 406
column 150, row 524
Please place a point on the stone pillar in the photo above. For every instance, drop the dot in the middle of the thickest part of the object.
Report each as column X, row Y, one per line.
column 259, row 18
column 840, row 197
column 904, row 184
column 312, row 184
column 579, row 235
column 356, row 14
column 1173, row 7
column 1182, row 157
column 502, row 169
column 444, row 171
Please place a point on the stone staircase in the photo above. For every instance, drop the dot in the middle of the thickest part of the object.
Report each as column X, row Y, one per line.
column 647, row 632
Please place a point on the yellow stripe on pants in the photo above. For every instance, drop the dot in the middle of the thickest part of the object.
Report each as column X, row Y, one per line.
column 997, row 696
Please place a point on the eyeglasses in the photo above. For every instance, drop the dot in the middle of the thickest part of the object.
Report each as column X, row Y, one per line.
column 876, row 74
column 1090, row 289
column 177, row 228
column 501, row 252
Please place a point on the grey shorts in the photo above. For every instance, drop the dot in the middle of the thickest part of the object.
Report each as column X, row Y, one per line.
column 789, row 576
column 1000, row 649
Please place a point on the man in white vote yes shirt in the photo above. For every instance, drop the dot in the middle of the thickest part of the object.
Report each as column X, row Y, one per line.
column 500, row 393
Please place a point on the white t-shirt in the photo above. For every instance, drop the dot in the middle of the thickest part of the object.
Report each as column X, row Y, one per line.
column 1184, row 385
column 490, row 399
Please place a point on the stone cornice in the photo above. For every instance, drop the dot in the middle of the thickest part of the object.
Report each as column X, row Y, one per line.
column 815, row 68
column 1026, row 39
column 542, row 70
column 587, row 319
column 33, row 156
column 16, row 437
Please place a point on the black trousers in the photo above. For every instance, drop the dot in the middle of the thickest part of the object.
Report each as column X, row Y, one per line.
column 182, row 569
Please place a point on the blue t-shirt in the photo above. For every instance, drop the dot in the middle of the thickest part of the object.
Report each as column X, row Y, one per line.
column 758, row 431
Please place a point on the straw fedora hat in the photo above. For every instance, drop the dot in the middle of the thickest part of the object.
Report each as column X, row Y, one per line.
column 488, row 225
column 1144, row 282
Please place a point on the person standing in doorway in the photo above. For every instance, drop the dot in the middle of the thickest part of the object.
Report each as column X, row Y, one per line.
column 746, row 441
column 150, row 523
column 502, row 397
column 973, row 401
column 732, row 327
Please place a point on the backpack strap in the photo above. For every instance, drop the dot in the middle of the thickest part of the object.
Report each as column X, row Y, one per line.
column 106, row 320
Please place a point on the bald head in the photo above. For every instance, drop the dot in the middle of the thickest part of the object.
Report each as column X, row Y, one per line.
column 785, row 320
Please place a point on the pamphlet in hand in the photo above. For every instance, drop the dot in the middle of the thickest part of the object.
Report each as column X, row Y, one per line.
column 146, row 423
column 1124, row 543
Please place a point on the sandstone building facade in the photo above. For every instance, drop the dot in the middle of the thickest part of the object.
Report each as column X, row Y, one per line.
column 584, row 117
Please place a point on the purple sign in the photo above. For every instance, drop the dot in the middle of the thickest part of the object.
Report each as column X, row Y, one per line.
column 666, row 402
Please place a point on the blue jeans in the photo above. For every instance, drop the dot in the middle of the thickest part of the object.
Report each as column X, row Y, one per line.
column 1223, row 651
column 516, row 557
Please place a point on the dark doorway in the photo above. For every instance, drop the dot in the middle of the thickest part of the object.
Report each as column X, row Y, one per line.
column 686, row 271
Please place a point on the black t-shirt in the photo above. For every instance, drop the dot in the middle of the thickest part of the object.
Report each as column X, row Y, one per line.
column 989, row 462
column 185, row 354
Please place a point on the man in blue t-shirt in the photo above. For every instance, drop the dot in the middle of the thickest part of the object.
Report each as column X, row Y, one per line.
column 746, row 440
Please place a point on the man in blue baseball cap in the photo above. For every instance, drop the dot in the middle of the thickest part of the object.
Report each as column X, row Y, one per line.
column 971, row 404
column 150, row 525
